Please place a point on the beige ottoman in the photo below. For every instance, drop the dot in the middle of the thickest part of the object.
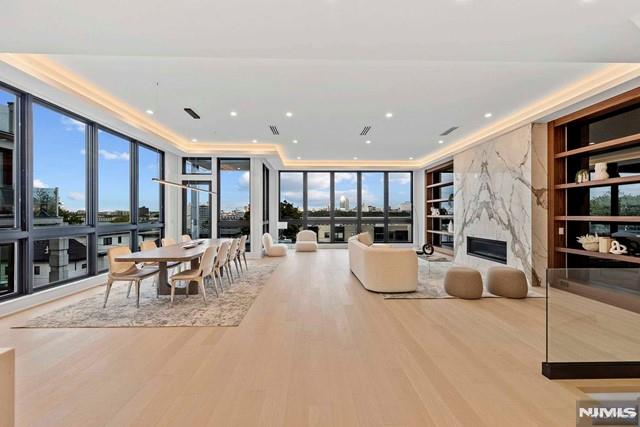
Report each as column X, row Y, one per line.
column 507, row 282
column 463, row 282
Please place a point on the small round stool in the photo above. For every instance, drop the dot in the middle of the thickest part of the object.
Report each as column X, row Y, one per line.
column 463, row 282
column 507, row 282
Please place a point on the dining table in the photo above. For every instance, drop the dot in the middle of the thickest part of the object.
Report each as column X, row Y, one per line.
column 180, row 252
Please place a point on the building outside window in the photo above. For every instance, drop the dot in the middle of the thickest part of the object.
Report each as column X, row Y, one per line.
column 234, row 198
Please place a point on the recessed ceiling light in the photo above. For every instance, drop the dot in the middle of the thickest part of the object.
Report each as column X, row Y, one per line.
column 410, row 158
column 295, row 141
column 237, row 168
column 288, row 114
column 388, row 115
column 487, row 115
column 149, row 112
column 298, row 157
column 367, row 142
column 441, row 142
column 255, row 141
column 194, row 140
column 233, row 113
column 355, row 158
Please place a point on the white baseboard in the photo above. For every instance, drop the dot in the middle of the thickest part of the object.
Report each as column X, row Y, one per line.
column 29, row 301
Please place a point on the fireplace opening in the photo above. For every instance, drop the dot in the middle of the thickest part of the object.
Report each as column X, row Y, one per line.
column 493, row 250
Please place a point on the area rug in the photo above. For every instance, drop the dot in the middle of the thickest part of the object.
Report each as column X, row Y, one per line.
column 226, row 310
column 431, row 284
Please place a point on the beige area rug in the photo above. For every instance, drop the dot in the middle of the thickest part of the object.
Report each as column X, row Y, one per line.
column 431, row 284
column 226, row 310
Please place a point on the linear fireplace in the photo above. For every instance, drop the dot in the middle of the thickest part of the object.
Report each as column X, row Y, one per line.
column 493, row 250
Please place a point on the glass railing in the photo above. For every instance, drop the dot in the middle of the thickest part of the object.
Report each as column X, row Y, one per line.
column 593, row 315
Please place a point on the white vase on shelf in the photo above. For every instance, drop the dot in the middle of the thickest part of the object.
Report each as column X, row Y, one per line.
column 450, row 226
column 601, row 171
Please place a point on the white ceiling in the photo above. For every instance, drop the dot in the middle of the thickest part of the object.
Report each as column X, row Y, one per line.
column 338, row 65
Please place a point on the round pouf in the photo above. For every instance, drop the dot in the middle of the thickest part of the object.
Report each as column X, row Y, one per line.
column 507, row 282
column 463, row 282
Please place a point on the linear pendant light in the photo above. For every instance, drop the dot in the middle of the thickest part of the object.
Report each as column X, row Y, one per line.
column 175, row 184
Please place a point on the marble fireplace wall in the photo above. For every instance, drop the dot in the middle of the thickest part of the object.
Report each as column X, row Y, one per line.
column 500, row 194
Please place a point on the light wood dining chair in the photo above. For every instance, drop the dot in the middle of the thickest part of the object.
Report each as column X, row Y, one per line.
column 232, row 257
column 168, row 241
column 120, row 271
column 242, row 249
column 185, row 238
column 148, row 245
column 222, row 260
column 199, row 275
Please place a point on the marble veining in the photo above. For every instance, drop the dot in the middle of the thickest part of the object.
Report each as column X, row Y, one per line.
column 495, row 198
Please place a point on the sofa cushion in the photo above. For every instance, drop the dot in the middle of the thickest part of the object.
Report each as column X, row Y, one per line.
column 365, row 238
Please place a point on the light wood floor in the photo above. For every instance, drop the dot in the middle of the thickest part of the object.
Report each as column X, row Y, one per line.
column 315, row 349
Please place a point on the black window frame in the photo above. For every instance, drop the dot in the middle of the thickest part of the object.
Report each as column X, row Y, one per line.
column 25, row 233
column 190, row 159
column 185, row 228
column 358, row 220
column 237, row 223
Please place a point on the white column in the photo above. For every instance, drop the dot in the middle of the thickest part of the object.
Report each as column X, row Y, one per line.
column 256, row 206
column 7, row 386
column 418, row 208
column 172, row 196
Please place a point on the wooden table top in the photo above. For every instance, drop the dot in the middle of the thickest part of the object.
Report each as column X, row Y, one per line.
column 175, row 252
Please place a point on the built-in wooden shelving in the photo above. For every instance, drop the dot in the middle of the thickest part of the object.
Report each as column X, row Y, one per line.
column 573, row 141
column 439, row 182
column 600, row 182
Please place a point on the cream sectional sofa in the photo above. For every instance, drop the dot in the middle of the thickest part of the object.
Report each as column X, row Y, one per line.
column 382, row 268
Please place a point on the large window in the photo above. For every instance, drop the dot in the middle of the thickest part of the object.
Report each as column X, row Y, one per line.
column 113, row 178
column 8, row 103
column 196, row 210
column 234, row 197
column 149, row 167
column 59, row 168
column 80, row 197
column 338, row 205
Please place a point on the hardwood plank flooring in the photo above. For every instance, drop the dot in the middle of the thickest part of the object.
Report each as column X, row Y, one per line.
column 316, row 348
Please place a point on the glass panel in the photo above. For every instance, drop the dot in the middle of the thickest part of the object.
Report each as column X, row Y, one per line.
column 593, row 314
column 318, row 194
column 342, row 232
column 629, row 199
column 7, row 159
column 372, row 195
column 445, row 192
column 323, row 231
column 288, row 235
column 600, row 201
column 616, row 126
column 400, row 233
column 375, row 230
column 265, row 196
column 59, row 168
column 7, row 268
column 291, row 195
column 197, row 213
column 400, row 194
column 235, row 187
column 108, row 241
column 196, row 166
column 59, row 259
column 148, row 190
column 113, row 178
column 145, row 235
column 346, row 194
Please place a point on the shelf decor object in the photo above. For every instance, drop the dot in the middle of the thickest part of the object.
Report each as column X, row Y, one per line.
column 601, row 171
column 589, row 242
column 582, row 176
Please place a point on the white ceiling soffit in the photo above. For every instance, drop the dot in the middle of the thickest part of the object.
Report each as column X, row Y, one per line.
column 446, row 30
column 331, row 101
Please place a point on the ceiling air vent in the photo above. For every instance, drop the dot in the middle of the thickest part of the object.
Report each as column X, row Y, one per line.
column 192, row 113
column 448, row 131
column 274, row 130
column 365, row 130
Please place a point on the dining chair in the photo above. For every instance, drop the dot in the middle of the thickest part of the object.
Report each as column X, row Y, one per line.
column 242, row 249
column 148, row 245
column 168, row 241
column 233, row 256
column 125, row 271
column 196, row 275
column 185, row 238
column 222, row 262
